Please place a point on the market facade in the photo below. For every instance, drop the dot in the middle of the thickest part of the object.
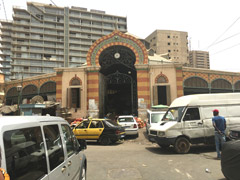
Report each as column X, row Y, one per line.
column 120, row 79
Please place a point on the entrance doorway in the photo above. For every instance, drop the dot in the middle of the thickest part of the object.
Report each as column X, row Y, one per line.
column 118, row 82
column 161, row 95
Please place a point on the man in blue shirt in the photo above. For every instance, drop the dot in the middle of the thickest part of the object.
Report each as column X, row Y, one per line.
column 219, row 123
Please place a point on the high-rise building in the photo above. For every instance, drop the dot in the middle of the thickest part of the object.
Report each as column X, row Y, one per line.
column 199, row 59
column 175, row 43
column 43, row 37
column 5, row 48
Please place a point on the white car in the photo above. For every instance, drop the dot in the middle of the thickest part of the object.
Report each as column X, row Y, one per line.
column 41, row 147
column 129, row 123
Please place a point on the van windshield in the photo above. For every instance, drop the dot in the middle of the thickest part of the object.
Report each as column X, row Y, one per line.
column 173, row 114
column 156, row 117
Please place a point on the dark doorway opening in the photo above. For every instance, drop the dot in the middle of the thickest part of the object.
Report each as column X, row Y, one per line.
column 162, row 95
column 118, row 82
column 119, row 99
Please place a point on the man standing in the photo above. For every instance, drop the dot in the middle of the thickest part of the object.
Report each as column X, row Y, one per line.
column 219, row 123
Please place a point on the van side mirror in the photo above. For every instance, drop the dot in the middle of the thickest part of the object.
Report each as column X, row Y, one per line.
column 83, row 144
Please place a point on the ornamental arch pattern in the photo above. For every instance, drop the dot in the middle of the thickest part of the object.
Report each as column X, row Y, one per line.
column 117, row 38
column 161, row 78
column 75, row 81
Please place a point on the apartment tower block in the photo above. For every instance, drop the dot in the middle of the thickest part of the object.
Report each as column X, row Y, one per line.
column 43, row 37
column 175, row 43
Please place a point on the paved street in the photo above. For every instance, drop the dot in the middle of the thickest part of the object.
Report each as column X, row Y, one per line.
column 140, row 159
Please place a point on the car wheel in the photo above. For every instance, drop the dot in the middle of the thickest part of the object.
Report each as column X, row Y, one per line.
column 182, row 145
column 83, row 173
column 105, row 140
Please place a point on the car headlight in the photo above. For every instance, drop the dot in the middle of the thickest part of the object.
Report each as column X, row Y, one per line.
column 161, row 133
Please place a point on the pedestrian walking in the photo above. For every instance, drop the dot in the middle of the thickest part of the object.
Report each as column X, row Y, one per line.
column 219, row 124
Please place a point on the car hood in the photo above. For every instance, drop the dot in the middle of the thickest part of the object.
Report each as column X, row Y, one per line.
column 164, row 125
column 155, row 125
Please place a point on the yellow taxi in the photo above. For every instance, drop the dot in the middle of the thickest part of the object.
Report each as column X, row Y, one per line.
column 105, row 131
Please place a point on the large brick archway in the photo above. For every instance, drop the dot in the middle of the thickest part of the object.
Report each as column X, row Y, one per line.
column 116, row 38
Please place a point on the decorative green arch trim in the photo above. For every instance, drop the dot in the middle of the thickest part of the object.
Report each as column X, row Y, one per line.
column 114, row 39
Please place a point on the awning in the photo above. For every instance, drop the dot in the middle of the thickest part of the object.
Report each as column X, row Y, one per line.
column 160, row 106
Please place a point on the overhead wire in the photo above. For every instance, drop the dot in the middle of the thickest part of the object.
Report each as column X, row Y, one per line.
column 227, row 38
column 226, row 49
column 214, row 42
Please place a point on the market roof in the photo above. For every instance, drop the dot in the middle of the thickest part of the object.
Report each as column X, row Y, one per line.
column 158, row 58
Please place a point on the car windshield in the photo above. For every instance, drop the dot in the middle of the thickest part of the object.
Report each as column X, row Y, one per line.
column 126, row 119
column 173, row 114
column 156, row 117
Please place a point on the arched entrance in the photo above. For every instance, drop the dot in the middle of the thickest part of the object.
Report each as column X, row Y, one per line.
column 118, row 81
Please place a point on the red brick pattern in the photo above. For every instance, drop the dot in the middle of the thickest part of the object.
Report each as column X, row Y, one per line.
column 161, row 75
column 116, row 32
column 59, row 87
column 93, row 87
column 143, row 86
column 179, row 79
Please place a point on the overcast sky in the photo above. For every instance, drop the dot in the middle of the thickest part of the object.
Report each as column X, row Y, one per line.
column 212, row 25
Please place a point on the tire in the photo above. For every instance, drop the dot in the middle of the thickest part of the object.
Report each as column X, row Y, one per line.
column 83, row 175
column 105, row 140
column 182, row 145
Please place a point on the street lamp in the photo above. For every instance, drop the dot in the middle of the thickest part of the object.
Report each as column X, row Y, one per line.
column 19, row 90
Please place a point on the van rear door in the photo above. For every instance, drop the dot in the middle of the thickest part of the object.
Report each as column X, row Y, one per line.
column 193, row 125
column 57, row 166
column 73, row 157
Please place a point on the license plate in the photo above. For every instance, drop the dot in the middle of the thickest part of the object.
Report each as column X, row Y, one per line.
column 122, row 136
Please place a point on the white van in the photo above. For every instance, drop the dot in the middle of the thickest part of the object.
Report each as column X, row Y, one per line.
column 189, row 119
column 40, row 147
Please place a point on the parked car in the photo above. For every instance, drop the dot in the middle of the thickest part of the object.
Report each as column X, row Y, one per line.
column 234, row 133
column 41, row 147
column 105, row 131
column 129, row 123
column 230, row 160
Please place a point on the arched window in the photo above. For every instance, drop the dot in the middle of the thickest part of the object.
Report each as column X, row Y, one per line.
column 48, row 87
column 221, row 84
column 195, row 82
column 237, row 85
column 161, row 78
column 30, row 90
column 74, row 93
column 75, row 81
